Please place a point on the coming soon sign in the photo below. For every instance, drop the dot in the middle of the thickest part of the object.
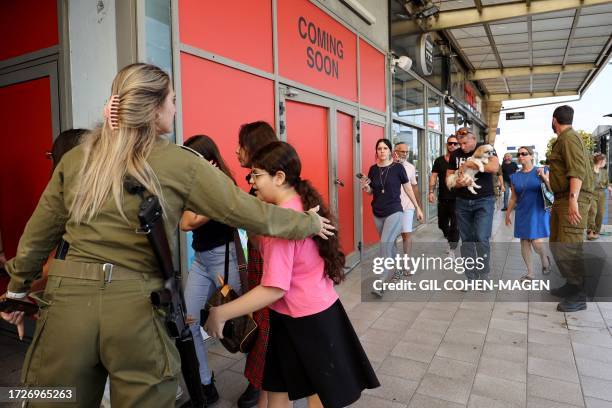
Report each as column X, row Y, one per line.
column 316, row 50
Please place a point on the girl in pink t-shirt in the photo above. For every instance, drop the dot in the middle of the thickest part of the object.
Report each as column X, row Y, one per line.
column 313, row 350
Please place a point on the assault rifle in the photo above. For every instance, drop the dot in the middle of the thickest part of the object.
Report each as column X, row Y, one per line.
column 171, row 296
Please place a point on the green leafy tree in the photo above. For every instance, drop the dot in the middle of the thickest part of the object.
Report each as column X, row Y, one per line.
column 586, row 139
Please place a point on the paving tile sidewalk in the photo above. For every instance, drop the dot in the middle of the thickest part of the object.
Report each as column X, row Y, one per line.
column 469, row 353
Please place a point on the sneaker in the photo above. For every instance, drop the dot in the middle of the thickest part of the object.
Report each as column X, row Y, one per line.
column 564, row 291
column 210, row 392
column 249, row 397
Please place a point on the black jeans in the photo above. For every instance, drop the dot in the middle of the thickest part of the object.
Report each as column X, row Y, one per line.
column 447, row 221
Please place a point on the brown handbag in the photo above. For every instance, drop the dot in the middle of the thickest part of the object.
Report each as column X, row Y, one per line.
column 239, row 334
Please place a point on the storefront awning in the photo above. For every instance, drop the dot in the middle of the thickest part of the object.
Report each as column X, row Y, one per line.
column 520, row 49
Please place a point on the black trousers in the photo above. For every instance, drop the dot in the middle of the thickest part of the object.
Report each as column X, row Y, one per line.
column 447, row 221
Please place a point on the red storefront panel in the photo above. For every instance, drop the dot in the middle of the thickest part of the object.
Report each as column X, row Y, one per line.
column 316, row 50
column 218, row 99
column 25, row 111
column 369, row 135
column 27, row 26
column 372, row 76
column 346, row 204
column 240, row 31
column 307, row 133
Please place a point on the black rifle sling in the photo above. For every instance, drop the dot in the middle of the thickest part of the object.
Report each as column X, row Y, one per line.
column 156, row 235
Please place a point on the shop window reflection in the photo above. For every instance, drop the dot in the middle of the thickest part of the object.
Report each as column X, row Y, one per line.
column 411, row 136
column 450, row 121
column 433, row 112
column 434, row 150
column 408, row 98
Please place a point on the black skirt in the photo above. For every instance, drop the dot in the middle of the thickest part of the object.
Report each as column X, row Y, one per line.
column 317, row 354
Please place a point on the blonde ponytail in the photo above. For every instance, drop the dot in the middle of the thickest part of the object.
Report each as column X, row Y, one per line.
column 111, row 155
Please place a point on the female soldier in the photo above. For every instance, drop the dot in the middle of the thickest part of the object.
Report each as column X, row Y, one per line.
column 97, row 318
column 598, row 205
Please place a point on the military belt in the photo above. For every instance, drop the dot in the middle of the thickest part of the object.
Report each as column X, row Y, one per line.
column 96, row 271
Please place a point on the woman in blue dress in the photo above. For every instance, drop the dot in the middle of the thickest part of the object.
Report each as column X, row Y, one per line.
column 532, row 220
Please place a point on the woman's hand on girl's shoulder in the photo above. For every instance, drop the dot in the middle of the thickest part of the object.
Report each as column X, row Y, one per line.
column 327, row 228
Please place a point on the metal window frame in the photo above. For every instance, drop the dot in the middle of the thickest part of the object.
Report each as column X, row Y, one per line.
column 361, row 113
column 288, row 93
column 52, row 61
column 42, row 70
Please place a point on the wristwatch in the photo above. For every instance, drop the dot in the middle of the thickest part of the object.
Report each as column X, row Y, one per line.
column 573, row 195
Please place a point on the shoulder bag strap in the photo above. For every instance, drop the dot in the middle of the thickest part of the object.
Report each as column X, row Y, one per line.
column 226, row 267
column 242, row 263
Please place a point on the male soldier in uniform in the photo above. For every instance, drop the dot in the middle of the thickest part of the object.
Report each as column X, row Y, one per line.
column 571, row 179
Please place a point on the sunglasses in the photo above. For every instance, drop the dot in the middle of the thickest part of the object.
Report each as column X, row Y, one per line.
column 523, row 154
column 462, row 132
column 452, row 144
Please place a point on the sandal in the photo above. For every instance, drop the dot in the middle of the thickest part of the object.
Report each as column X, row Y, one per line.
column 546, row 270
column 525, row 278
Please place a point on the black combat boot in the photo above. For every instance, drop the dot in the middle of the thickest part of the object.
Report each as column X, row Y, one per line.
column 573, row 303
column 249, row 397
column 564, row 291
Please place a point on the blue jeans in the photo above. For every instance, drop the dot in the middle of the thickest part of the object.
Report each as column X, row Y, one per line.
column 475, row 221
column 507, row 192
column 389, row 229
column 202, row 282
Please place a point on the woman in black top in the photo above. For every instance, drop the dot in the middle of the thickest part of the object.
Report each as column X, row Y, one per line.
column 385, row 181
column 209, row 243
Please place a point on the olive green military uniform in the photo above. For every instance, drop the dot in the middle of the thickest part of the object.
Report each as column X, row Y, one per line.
column 598, row 205
column 97, row 317
column 569, row 158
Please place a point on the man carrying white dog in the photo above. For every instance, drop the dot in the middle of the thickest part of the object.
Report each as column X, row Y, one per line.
column 474, row 206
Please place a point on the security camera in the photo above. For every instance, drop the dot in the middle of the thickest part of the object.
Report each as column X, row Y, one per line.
column 402, row 62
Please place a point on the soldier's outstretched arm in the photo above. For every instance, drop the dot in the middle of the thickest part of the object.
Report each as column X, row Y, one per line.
column 214, row 195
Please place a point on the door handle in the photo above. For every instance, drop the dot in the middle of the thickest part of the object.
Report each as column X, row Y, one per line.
column 339, row 182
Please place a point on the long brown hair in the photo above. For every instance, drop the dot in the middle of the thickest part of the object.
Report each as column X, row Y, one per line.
column 254, row 135
column 281, row 156
column 207, row 147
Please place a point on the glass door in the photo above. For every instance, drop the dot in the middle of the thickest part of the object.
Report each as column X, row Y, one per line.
column 433, row 152
column 411, row 136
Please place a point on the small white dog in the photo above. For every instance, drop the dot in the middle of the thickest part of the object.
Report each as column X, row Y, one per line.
column 481, row 158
